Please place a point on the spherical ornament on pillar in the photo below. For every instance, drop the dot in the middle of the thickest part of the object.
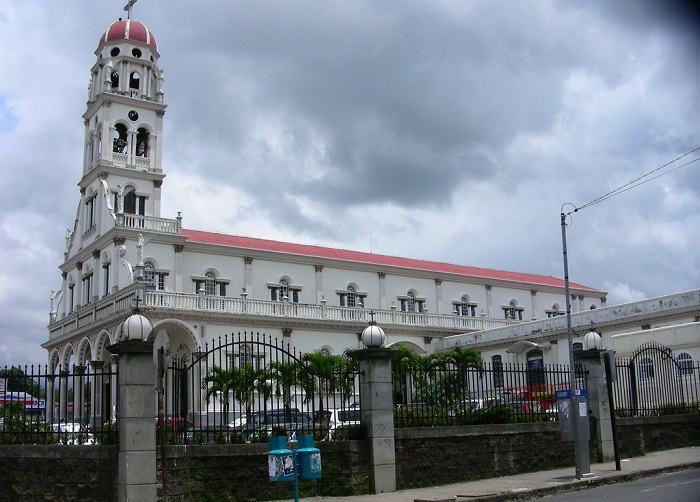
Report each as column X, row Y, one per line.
column 592, row 340
column 373, row 336
column 135, row 327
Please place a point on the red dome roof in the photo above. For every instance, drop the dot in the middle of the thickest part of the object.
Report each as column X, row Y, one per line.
column 129, row 30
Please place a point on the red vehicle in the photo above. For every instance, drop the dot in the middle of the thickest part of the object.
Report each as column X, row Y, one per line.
column 177, row 425
column 540, row 397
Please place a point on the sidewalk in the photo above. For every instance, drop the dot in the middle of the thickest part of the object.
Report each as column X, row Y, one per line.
column 536, row 484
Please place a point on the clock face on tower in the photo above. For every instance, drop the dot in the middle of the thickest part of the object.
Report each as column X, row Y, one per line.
column 133, row 115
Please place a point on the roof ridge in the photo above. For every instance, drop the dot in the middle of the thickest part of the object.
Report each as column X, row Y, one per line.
column 217, row 238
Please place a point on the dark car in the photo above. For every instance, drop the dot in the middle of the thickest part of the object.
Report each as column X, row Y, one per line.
column 291, row 420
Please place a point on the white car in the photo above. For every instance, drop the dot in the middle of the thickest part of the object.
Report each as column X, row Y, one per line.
column 72, row 433
column 338, row 419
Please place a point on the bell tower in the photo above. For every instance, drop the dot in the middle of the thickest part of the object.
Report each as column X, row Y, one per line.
column 120, row 185
column 122, row 173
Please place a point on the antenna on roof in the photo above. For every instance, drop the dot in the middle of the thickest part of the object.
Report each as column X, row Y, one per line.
column 128, row 7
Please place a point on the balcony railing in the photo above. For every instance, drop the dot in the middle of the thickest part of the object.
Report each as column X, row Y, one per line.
column 243, row 306
column 150, row 223
column 123, row 301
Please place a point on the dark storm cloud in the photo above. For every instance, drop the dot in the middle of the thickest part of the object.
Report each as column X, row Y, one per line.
column 452, row 131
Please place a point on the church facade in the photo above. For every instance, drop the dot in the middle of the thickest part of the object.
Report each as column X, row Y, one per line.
column 195, row 286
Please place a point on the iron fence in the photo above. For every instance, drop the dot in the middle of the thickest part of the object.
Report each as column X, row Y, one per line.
column 40, row 406
column 655, row 382
column 431, row 392
column 250, row 386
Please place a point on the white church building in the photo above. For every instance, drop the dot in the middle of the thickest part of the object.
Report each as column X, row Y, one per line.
column 199, row 285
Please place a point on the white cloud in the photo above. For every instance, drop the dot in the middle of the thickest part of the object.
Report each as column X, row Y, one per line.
column 440, row 130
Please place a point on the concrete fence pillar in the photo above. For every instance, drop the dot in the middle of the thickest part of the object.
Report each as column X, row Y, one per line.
column 599, row 405
column 377, row 407
column 137, row 431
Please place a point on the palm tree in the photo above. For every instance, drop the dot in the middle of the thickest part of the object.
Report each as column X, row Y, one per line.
column 286, row 375
column 458, row 388
column 322, row 373
column 219, row 382
column 242, row 382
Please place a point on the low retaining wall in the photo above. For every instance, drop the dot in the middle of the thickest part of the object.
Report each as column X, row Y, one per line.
column 58, row 472
column 424, row 457
column 641, row 435
column 227, row 473
column 442, row 455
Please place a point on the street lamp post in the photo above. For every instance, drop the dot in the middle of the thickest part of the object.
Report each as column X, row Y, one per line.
column 582, row 455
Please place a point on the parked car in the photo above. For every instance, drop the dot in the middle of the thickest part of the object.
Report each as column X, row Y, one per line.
column 291, row 420
column 336, row 420
column 72, row 433
column 207, row 434
column 471, row 404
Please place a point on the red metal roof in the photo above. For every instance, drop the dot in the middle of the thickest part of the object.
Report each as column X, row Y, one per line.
column 376, row 259
column 129, row 30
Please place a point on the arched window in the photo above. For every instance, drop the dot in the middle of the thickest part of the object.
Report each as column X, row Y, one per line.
column 209, row 284
column 497, row 368
column 284, row 290
column 142, row 142
column 119, row 140
column 412, row 303
column 465, row 307
column 106, row 263
column 114, row 77
column 685, row 365
column 409, row 304
column 149, row 275
column 555, row 311
column 86, row 286
column 134, row 204
column 512, row 311
column 134, row 80
column 351, row 296
column 535, row 368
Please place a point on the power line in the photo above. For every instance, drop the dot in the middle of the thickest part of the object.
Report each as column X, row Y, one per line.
column 640, row 181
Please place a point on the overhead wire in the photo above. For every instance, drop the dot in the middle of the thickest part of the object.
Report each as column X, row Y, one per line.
column 640, row 180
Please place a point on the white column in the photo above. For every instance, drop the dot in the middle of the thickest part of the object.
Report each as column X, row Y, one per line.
column 489, row 302
column 178, row 268
column 533, row 296
column 438, row 293
column 382, row 290
column 248, row 276
column 319, row 283
column 157, row 184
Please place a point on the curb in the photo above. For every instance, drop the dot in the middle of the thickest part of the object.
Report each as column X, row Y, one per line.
column 574, row 485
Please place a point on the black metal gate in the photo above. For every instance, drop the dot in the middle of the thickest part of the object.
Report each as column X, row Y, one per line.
column 248, row 386
column 654, row 382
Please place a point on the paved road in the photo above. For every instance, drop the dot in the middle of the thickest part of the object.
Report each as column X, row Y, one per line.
column 683, row 486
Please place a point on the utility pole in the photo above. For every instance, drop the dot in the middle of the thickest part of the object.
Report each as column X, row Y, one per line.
column 578, row 402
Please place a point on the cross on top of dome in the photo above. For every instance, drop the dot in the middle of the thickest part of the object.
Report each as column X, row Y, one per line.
column 128, row 8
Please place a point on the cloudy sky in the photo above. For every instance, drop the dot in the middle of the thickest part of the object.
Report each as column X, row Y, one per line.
column 444, row 130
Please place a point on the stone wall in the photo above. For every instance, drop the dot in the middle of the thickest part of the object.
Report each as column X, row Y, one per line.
column 641, row 435
column 227, row 473
column 443, row 455
column 58, row 472
column 424, row 457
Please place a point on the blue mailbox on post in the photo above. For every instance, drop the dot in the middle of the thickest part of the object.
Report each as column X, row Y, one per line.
column 291, row 465
column 280, row 460
column 309, row 458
